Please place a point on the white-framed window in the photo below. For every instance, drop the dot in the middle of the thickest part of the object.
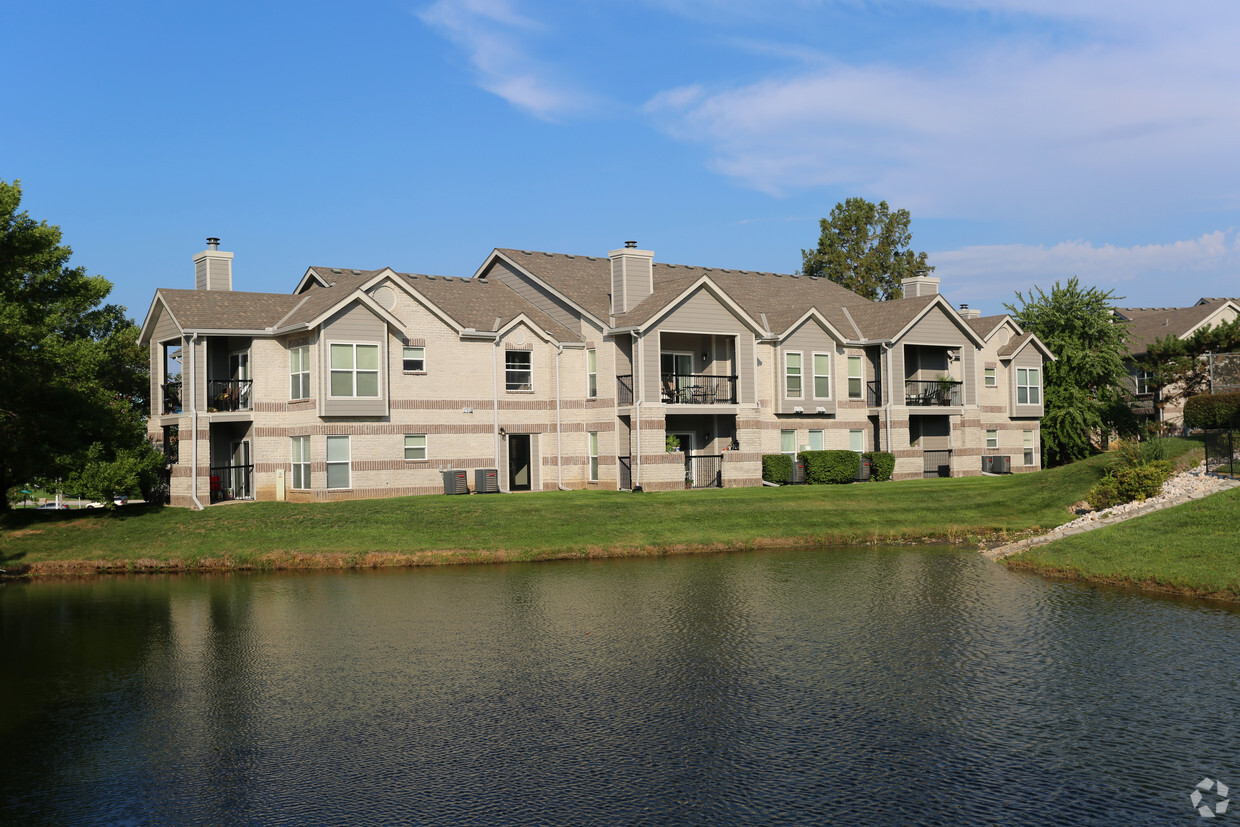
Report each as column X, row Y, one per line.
column 338, row 465
column 1142, row 383
column 792, row 375
column 591, row 374
column 1029, row 457
column 816, row 441
column 415, row 446
column 1028, row 390
column 518, row 370
column 854, row 377
column 593, row 455
column 413, row 359
column 299, row 372
column 992, row 377
column 856, row 440
column 992, row 439
column 354, row 370
column 788, row 443
column 300, row 447
column 822, row 375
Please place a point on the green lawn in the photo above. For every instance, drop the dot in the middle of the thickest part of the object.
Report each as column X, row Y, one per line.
column 545, row 525
column 1193, row 547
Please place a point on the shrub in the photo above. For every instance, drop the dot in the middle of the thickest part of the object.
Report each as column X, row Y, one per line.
column 824, row 467
column 1137, row 483
column 882, row 465
column 1211, row 410
column 776, row 467
column 1134, row 454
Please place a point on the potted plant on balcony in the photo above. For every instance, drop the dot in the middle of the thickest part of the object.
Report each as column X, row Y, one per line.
column 945, row 384
column 672, row 443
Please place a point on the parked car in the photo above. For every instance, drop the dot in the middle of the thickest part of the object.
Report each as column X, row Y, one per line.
column 97, row 504
column 53, row 507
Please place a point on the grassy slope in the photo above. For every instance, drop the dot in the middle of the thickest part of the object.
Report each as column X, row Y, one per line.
column 1193, row 547
column 531, row 526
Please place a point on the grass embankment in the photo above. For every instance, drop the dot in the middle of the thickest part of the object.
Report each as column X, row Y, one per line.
column 442, row 529
column 1191, row 549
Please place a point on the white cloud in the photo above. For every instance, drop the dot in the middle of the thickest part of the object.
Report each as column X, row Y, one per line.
column 1134, row 109
column 1172, row 274
column 494, row 36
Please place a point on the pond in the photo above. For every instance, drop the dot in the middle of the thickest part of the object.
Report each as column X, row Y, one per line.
column 842, row 686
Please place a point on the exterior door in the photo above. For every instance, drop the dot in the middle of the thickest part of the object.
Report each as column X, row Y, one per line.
column 518, row 462
column 239, row 372
column 239, row 473
column 677, row 370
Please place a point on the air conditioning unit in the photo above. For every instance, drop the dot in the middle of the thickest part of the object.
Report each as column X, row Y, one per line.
column 455, row 481
column 988, row 464
column 798, row 409
column 1003, row 465
column 486, row 480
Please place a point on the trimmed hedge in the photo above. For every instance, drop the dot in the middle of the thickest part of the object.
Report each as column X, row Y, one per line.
column 882, row 465
column 828, row 467
column 776, row 468
column 1211, row 410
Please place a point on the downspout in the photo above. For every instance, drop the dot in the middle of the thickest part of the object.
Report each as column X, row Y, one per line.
column 193, row 422
column 495, row 402
column 887, row 408
column 559, row 453
column 637, row 413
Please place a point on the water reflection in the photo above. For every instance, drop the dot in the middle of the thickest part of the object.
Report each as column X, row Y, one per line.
column 828, row 686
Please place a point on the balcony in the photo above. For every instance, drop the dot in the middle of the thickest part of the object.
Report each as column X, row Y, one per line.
column 624, row 389
column 172, row 397
column 698, row 389
column 229, row 394
column 232, row 482
column 873, row 394
column 937, row 392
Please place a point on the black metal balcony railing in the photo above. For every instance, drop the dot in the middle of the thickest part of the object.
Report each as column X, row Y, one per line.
column 172, row 397
column 229, row 394
column 873, row 394
column 232, row 482
column 934, row 392
column 624, row 389
column 698, row 389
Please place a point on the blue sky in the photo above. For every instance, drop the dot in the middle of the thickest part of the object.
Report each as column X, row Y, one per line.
column 1031, row 141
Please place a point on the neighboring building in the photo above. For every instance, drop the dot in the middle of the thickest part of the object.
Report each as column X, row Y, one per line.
column 1147, row 325
column 565, row 371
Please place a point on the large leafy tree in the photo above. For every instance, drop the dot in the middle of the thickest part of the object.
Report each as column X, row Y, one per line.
column 1084, row 389
column 73, row 381
column 865, row 247
column 1179, row 368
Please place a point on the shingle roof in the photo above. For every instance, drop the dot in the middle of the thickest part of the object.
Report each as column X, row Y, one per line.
column 1148, row 324
column 985, row 325
column 226, row 309
column 1014, row 344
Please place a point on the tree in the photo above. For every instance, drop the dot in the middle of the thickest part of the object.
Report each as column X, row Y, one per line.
column 1178, row 368
column 1085, row 386
column 866, row 249
column 73, row 381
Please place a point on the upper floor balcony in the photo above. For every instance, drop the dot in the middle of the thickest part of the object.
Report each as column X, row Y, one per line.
column 222, row 395
column 944, row 392
column 684, row 389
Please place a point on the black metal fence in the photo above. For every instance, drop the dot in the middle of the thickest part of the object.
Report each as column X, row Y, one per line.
column 937, row 464
column 1223, row 450
column 172, row 397
column 624, row 389
column 706, row 470
column 918, row 393
column 232, row 482
column 624, row 467
column 873, row 394
column 698, row 389
column 229, row 394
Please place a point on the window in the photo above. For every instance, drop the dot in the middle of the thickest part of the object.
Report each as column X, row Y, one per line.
column 591, row 374
column 299, row 372
column 816, row 441
column 355, row 370
column 856, row 440
column 1028, row 392
column 518, row 370
column 337, row 462
column 822, row 375
column 854, row 377
column 1141, row 380
column 992, row 378
column 788, row 443
column 413, row 359
column 301, row 461
column 593, row 455
column 992, row 439
column 1029, row 448
column 792, row 375
column 415, row 446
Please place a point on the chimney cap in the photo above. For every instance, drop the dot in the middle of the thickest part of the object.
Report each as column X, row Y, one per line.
column 964, row 305
column 213, row 243
column 631, row 245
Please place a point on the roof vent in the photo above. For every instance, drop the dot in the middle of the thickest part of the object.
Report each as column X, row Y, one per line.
column 213, row 243
column 630, row 245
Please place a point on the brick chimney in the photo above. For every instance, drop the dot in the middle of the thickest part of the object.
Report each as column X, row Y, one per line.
column 632, row 277
column 213, row 268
